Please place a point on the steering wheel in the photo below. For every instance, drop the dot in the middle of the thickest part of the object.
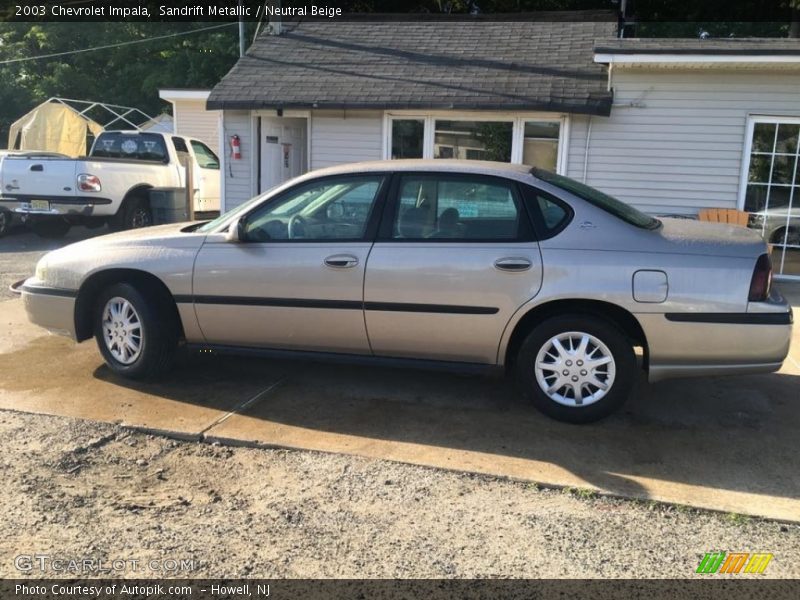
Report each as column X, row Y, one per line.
column 294, row 222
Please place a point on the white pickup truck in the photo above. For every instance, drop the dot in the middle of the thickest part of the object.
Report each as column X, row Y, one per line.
column 111, row 185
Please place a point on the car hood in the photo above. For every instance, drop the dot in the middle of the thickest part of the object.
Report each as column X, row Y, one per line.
column 172, row 236
column 710, row 239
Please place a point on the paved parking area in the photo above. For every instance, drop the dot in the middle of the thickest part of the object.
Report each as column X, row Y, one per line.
column 722, row 443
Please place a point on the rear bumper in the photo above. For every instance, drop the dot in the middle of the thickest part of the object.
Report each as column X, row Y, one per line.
column 51, row 308
column 79, row 206
column 704, row 344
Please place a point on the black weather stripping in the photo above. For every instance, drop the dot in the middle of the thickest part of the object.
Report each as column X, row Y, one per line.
column 338, row 304
column 732, row 318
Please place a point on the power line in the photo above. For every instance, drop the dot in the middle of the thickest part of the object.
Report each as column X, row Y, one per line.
column 106, row 47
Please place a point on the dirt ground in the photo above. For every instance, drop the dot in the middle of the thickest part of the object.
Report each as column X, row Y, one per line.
column 76, row 489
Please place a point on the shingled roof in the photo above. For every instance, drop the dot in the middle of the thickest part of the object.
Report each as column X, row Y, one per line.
column 711, row 46
column 459, row 64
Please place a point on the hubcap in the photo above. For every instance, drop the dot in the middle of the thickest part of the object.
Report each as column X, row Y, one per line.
column 122, row 330
column 575, row 369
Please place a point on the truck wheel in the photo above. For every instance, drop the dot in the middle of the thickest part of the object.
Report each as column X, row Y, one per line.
column 5, row 222
column 134, row 213
column 51, row 228
column 576, row 368
column 136, row 334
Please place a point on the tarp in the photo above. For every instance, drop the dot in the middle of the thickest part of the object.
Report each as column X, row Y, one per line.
column 52, row 127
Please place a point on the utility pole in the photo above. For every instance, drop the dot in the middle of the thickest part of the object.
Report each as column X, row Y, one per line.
column 241, row 30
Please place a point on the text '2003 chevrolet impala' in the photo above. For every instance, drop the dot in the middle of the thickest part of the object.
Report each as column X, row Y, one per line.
column 466, row 264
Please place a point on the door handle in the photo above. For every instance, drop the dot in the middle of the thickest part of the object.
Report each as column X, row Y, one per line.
column 37, row 168
column 341, row 261
column 513, row 263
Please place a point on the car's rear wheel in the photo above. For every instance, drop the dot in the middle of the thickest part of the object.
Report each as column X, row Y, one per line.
column 576, row 368
column 134, row 213
column 5, row 221
column 135, row 333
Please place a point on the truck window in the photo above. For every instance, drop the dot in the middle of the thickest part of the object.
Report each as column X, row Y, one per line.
column 206, row 158
column 180, row 144
column 133, row 146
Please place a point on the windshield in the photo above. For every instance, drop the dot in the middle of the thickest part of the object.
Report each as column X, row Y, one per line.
column 228, row 217
column 597, row 198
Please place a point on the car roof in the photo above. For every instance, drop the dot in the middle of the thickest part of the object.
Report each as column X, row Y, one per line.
column 481, row 167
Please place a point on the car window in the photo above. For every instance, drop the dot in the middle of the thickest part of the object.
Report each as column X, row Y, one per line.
column 133, row 146
column 206, row 159
column 550, row 214
column 447, row 207
column 599, row 199
column 331, row 209
column 179, row 144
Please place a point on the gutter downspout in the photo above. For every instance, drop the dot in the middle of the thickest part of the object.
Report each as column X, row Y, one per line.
column 586, row 150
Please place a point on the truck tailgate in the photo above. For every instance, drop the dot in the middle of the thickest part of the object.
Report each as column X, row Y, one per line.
column 38, row 178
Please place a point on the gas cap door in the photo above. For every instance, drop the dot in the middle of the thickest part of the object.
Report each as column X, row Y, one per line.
column 650, row 286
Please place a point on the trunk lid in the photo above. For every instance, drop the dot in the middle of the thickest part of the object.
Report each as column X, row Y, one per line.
column 688, row 236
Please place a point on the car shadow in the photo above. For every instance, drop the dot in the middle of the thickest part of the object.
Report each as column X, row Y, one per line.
column 735, row 433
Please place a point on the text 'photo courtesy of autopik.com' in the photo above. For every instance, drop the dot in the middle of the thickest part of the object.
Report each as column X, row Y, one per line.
column 382, row 299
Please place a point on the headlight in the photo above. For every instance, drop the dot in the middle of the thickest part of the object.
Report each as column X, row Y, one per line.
column 41, row 269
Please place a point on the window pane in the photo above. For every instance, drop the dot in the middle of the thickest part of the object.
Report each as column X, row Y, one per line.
column 455, row 208
column 553, row 214
column 760, row 165
column 206, row 159
column 763, row 137
column 407, row 136
column 755, row 199
column 783, row 169
column 787, row 138
column 335, row 209
column 473, row 140
column 540, row 146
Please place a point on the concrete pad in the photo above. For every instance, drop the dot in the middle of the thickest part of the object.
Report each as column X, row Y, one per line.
column 49, row 374
column 724, row 443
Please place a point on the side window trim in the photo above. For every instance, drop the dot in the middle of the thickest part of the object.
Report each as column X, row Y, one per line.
column 530, row 194
column 525, row 232
column 371, row 228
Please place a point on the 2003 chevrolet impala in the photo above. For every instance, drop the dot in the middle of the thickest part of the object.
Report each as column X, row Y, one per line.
column 453, row 263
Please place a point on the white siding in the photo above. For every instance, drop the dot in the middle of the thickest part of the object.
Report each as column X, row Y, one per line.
column 682, row 150
column 238, row 176
column 193, row 120
column 345, row 136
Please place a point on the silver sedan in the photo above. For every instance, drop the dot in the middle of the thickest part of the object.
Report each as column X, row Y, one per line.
column 458, row 264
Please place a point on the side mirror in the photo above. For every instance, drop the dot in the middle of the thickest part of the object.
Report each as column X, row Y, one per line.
column 237, row 232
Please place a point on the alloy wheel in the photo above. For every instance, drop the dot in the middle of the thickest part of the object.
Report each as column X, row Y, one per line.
column 122, row 330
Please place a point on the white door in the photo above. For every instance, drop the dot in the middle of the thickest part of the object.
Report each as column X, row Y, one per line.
column 283, row 150
column 206, row 177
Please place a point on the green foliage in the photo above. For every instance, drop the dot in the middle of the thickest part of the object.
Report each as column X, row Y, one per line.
column 129, row 75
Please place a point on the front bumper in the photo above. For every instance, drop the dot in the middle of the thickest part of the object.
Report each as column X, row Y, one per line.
column 704, row 344
column 51, row 308
column 58, row 206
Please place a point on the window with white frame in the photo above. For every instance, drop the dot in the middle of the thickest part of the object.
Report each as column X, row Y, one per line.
column 537, row 141
column 772, row 192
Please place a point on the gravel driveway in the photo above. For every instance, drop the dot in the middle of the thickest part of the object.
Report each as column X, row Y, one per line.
column 77, row 489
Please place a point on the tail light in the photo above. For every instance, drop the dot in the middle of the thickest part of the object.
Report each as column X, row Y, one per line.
column 89, row 183
column 762, row 279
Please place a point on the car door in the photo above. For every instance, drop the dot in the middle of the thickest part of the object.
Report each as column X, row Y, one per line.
column 206, row 175
column 297, row 281
column 455, row 258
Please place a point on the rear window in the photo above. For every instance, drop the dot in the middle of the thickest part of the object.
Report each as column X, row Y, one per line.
column 132, row 146
column 603, row 201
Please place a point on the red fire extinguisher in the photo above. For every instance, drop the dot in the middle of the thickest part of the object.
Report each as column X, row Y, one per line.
column 236, row 148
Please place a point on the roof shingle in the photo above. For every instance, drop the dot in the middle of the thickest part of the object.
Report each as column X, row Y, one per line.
column 490, row 65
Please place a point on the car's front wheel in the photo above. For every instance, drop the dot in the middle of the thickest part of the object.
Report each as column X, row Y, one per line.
column 135, row 333
column 576, row 368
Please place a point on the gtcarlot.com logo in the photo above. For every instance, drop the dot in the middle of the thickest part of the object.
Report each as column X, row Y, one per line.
column 46, row 563
column 734, row 562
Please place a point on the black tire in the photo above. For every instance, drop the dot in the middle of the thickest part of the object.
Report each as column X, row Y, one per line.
column 619, row 347
column 158, row 332
column 134, row 213
column 51, row 228
column 5, row 221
